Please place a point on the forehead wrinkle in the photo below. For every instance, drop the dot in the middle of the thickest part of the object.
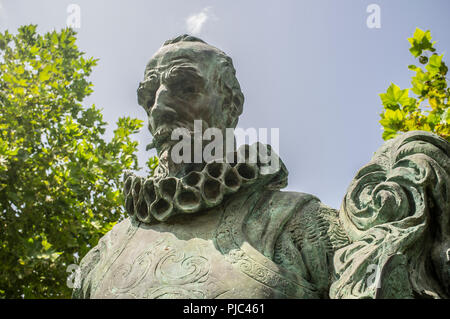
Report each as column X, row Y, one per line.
column 193, row 53
column 179, row 60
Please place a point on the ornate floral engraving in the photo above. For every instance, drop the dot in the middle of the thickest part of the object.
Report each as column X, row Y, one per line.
column 162, row 272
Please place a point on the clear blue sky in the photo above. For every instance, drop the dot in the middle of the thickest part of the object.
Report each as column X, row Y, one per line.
column 311, row 68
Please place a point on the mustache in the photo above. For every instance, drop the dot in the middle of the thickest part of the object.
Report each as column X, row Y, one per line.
column 163, row 133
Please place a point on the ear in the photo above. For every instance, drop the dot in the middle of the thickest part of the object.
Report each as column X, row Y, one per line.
column 234, row 107
column 237, row 102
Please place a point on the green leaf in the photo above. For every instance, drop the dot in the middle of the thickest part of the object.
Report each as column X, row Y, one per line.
column 388, row 134
column 421, row 41
column 434, row 64
column 433, row 118
column 45, row 244
column 395, row 96
column 45, row 75
column 411, row 105
column 34, row 50
column 2, row 43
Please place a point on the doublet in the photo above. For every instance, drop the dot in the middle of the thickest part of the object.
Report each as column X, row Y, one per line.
column 258, row 243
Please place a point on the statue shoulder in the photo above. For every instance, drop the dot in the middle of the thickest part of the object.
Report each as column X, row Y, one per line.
column 88, row 270
column 302, row 216
column 299, row 233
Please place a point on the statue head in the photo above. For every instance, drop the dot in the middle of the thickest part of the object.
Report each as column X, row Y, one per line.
column 187, row 80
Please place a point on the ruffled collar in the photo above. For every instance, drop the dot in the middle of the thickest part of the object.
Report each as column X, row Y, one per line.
column 160, row 197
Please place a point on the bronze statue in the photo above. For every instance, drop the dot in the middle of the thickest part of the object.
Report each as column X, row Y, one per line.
column 224, row 229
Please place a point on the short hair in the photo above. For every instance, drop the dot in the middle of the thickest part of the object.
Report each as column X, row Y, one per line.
column 183, row 38
column 228, row 82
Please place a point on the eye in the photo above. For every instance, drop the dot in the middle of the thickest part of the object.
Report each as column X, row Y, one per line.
column 183, row 81
column 189, row 89
column 153, row 80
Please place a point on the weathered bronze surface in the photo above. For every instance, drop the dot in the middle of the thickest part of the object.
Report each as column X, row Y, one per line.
column 225, row 230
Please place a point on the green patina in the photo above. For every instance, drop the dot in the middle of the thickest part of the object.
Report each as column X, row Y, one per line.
column 226, row 230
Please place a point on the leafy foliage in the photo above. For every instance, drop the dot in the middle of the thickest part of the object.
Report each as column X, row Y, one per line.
column 60, row 181
column 429, row 109
column 152, row 164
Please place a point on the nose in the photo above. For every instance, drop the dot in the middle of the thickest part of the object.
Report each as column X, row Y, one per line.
column 161, row 112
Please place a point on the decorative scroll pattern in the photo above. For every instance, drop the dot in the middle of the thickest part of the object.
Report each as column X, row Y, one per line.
column 262, row 274
column 397, row 204
column 165, row 273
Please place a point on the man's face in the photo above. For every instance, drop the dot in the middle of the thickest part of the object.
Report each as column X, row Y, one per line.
column 181, row 86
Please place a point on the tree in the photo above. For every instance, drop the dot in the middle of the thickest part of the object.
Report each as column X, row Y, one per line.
column 429, row 109
column 60, row 181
